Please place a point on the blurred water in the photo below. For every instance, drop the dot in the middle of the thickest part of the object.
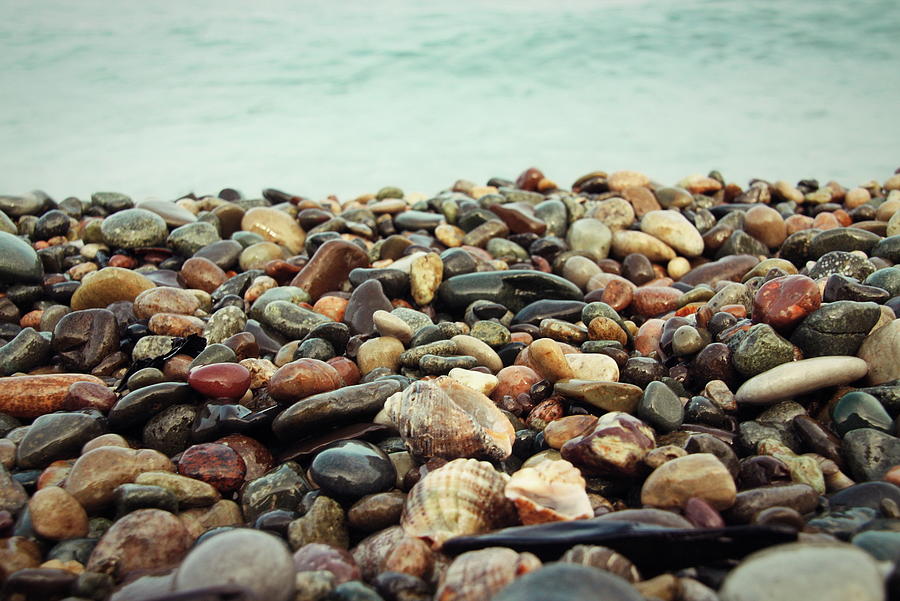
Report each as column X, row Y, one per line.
column 161, row 98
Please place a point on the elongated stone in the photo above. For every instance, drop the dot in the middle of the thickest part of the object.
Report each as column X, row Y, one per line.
column 799, row 377
column 513, row 289
column 31, row 396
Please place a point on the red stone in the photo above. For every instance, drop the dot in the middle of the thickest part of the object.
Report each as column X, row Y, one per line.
column 347, row 369
column 784, row 302
column 216, row 464
column 89, row 395
column 529, row 179
column 650, row 301
column 220, row 380
column 256, row 455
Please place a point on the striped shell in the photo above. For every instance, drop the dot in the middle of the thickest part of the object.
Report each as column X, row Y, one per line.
column 444, row 418
column 479, row 575
column 603, row 558
column 463, row 497
column 551, row 491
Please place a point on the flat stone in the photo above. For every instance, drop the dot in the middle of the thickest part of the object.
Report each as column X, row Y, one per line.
column 700, row 475
column 134, row 228
column 800, row 377
column 661, row 408
column 869, row 453
column 837, row 328
column 56, row 436
column 609, row 396
column 514, row 289
column 675, row 230
column 834, row 572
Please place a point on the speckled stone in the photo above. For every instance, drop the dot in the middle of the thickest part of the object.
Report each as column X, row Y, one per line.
column 134, row 228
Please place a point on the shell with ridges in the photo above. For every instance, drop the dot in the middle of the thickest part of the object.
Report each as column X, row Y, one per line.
column 479, row 575
column 444, row 418
column 463, row 497
column 604, row 558
column 551, row 491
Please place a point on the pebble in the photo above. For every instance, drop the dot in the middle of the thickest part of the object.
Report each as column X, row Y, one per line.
column 645, row 304
column 352, row 469
column 582, row 583
column 827, row 572
column 800, row 377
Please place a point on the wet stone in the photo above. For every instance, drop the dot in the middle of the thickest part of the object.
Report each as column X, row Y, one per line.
column 215, row 464
column 660, row 407
column 860, row 410
column 27, row 350
column 282, row 488
column 57, row 436
column 843, row 263
column 837, row 328
column 134, row 228
column 169, row 431
column 869, row 454
column 131, row 497
column 352, row 469
column 761, row 349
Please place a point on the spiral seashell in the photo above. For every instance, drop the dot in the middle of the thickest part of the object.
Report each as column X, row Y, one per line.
column 444, row 418
column 479, row 575
column 463, row 497
column 603, row 558
column 551, row 491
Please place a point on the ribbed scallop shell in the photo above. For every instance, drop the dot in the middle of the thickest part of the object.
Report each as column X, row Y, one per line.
column 463, row 497
column 444, row 418
column 551, row 491
column 479, row 575
column 604, row 558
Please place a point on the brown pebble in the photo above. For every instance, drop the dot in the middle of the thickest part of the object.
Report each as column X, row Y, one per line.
column 57, row 515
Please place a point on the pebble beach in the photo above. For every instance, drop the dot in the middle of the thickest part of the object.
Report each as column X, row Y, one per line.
column 517, row 389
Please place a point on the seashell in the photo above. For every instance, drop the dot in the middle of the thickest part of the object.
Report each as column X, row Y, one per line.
column 551, row 491
column 463, row 497
column 394, row 550
column 603, row 558
column 444, row 418
column 479, row 575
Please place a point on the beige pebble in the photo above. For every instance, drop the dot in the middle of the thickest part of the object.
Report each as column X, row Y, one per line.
column 57, row 515
column 383, row 351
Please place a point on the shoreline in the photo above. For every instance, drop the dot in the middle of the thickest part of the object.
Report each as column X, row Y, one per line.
column 666, row 391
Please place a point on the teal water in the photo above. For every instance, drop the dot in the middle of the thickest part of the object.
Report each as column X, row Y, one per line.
column 161, row 98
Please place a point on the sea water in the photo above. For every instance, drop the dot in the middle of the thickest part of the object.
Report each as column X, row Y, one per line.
column 157, row 99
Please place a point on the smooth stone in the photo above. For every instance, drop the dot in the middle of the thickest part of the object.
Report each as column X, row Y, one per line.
column 626, row 242
column 514, row 289
column 616, row 445
column 608, row 396
column 869, row 454
column 291, row 294
column 324, row 523
column 388, row 324
column 165, row 300
column 539, row 310
column 256, row 560
column 330, row 267
column 202, row 274
column 131, row 497
column 29, row 349
column 801, row 497
column 675, row 230
column 19, row 263
column 352, row 469
column 835, row 572
column 590, row 236
column 84, row 338
column 188, row 239
column 837, row 328
column 800, row 377
column 761, row 349
column 134, row 228
column 377, row 511
column 56, row 436
column 151, row 347
column 100, row 289
column 381, row 352
column 741, row 243
column 582, row 583
column 290, row 319
column 660, row 407
column 841, row 262
column 783, row 302
column 887, row 279
column 12, row 494
column 224, row 254
column 303, row 378
column 187, row 492
column 425, row 275
column 169, row 431
column 881, row 352
column 173, row 214
column 229, row 380
column 216, row 464
column 143, row 540
column 860, row 410
column 344, row 405
column 367, row 298
column 842, row 239
column 224, row 323
column 699, row 476
column 96, row 474
column 33, row 396
column 281, row 488
column 727, row 268
column 139, row 405
column 275, row 226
